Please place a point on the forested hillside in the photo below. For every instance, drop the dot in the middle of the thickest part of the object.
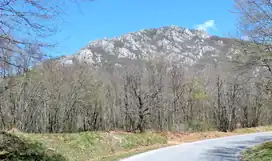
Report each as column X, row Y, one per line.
column 157, row 94
column 160, row 79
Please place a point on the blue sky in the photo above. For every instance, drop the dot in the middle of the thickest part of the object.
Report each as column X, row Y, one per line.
column 110, row 18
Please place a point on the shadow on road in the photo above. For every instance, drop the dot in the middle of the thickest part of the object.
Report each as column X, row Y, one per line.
column 231, row 151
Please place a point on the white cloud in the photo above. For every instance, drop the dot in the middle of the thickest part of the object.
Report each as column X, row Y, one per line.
column 206, row 25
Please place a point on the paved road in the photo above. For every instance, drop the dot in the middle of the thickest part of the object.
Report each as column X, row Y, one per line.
column 220, row 149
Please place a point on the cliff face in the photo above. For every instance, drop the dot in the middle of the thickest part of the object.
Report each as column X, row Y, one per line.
column 170, row 43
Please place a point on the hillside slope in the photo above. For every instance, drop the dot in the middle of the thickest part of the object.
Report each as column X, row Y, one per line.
column 173, row 43
column 96, row 146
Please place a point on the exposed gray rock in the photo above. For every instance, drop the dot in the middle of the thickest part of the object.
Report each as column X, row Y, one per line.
column 172, row 43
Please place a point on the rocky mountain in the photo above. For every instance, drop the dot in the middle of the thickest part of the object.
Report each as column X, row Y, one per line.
column 173, row 43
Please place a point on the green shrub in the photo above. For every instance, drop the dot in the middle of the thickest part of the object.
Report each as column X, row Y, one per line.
column 14, row 148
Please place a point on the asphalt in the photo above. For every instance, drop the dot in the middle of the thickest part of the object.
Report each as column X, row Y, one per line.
column 219, row 149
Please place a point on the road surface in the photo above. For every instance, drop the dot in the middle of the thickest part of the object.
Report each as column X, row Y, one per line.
column 219, row 149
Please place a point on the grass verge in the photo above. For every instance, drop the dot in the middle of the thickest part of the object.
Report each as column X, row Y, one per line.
column 253, row 130
column 92, row 145
column 122, row 155
column 259, row 153
column 96, row 146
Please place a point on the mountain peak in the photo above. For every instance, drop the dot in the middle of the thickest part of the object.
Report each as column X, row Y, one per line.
column 174, row 43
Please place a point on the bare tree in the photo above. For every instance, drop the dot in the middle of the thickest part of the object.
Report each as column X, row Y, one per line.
column 27, row 23
column 255, row 19
column 256, row 25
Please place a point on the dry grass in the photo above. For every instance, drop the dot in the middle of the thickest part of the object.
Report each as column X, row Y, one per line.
column 89, row 145
column 254, row 130
column 102, row 146
column 190, row 137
